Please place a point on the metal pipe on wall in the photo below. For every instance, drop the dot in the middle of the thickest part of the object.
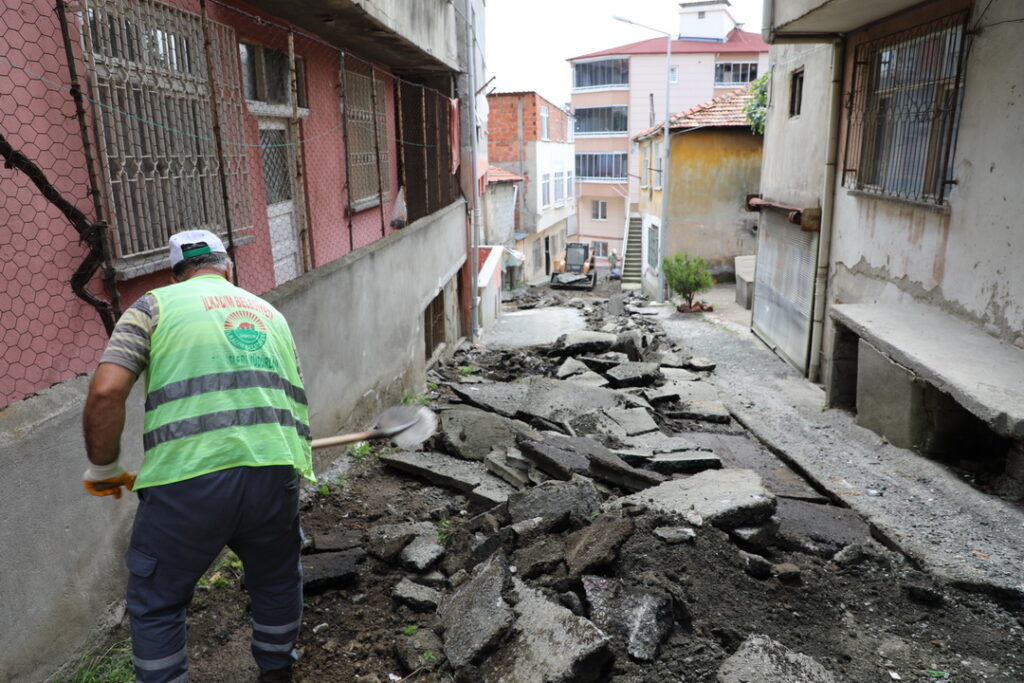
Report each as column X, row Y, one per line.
column 824, row 256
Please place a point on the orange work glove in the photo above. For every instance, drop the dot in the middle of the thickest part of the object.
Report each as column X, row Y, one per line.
column 107, row 480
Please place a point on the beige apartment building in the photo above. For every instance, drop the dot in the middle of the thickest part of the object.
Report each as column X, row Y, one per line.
column 620, row 91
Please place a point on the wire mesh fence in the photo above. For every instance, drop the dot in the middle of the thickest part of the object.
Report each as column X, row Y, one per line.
column 125, row 121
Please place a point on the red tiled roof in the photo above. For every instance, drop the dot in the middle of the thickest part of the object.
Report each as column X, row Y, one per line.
column 500, row 175
column 736, row 41
column 722, row 111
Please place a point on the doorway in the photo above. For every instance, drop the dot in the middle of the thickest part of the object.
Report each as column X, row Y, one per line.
column 280, row 185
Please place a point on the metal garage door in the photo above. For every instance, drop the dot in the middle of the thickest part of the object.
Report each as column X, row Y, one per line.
column 784, row 289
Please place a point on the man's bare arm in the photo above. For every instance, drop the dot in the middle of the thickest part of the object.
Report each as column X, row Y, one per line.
column 103, row 417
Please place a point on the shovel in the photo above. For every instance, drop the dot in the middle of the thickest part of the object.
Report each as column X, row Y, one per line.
column 406, row 426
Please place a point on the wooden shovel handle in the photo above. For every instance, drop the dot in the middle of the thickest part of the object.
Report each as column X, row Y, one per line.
column 344, row 438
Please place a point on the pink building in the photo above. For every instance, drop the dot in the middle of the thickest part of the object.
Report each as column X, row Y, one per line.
column 620, row 91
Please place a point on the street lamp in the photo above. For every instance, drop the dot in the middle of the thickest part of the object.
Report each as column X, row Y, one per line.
column 660, row 295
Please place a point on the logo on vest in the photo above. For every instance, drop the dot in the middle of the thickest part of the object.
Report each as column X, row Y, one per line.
column 245, row 331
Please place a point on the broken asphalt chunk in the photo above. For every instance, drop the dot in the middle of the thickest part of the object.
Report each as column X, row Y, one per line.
column 701, row 364
column 687, row 462
column 596, row 545
column 571, row 367
column 555, row 501
column 724, row 498
column 419, row 598
column 338, row 540
column 557, row 455
column 542, row 557
column 475, row 616
column 464, row 476
column 760, row 658
column 421, row 553
column 471, row 433
column 608, row 467
column 642, row 620
column 705, row 411
column 632, row 420
column 549, row 644
column 386, row 541
column 328, row 570
column 633, row 374
column 587, row 341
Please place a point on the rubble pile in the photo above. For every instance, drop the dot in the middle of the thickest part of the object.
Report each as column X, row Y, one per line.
column 607, row 520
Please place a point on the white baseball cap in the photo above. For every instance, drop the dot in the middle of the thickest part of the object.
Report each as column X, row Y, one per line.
column 189, row 243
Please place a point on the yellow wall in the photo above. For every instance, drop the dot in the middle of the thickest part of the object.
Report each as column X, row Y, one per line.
column 711, row 171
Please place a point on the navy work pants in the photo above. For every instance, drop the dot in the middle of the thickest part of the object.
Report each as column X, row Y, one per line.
column 180, row 529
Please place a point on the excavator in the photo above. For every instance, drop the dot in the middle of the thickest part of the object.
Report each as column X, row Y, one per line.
column 576, row 270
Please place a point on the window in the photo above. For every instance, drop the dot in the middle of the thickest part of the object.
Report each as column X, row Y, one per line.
column 599, row 210
column 702, row 15
column 545, row 120
column 159, row 165
column 905, row 110
column 645, row 166
column 796, row 92
column 545, row 189
column 652, row 246
column 609, row 166
column 599, row 249
column 734, row 74
column 570, row 187
column 601, row 120
column 657, row 165
column 266, row 76
column 601, row 74
column 365, row 114
column 673, row 74
column 433, row 324
column 560, row 187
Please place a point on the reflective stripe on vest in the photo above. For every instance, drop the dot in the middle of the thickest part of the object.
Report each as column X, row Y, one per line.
column 222, row 387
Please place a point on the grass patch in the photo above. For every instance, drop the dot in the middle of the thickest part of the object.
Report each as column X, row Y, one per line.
column 110, row 663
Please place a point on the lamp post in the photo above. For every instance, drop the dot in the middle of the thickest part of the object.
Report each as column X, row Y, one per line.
column 663, row 228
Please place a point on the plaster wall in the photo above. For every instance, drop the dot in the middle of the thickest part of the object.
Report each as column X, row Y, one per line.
column 535, row 268
column 963, row 258
column 500, row 213
column 431, row 25
column 360, row 346
column 711, row 173
column 550, row 158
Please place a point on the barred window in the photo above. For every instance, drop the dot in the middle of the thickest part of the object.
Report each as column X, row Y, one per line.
column 601, row 166
column 734, row 74
column 604, row 73
column 365, row 112
column 149, row 75
column 266, row 77
column 595, row 120
column 904, row 111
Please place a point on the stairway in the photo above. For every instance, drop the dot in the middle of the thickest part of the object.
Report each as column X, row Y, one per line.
column 632, row 259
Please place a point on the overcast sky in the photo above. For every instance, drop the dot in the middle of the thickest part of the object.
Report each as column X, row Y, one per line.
column 528, row 41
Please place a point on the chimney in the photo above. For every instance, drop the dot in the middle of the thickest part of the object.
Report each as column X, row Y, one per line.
column 708, row 20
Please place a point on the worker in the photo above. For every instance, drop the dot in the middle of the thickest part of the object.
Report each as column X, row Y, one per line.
column 225, row 440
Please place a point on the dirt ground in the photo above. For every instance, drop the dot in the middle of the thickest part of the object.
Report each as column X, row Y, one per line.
column 860, row 620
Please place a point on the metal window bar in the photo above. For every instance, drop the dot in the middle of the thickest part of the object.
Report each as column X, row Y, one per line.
column 601, row 166
column 903, row 111
column 148, row 72
column 603, row 73
column 367, row 133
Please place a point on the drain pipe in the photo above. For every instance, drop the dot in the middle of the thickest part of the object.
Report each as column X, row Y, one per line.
column 474, row 250
column 824, row 257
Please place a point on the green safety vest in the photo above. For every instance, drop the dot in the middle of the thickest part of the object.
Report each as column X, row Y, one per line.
column 223, row 387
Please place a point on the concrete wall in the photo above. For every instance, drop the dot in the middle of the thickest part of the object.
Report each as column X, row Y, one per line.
column 963, row 258
column 360, row 347
column 534, row 246
column 711, row 173
column 500, row 213
column 431, row 25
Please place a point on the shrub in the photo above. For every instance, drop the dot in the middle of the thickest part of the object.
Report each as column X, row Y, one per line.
column 687, row 276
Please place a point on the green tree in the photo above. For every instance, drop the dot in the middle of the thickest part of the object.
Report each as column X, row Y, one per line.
column 687, row 276
column 756, row 109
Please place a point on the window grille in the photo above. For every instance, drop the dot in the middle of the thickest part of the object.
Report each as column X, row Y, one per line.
column 601, row 166
column 266, row 77
column 594, row 120
column 545, row 189
column 276, row 165
column 604, row 73
column 559, row 187
column 734, row 74
column 433, row 324
column 598, row 210
column 904, row 110
column 365, row 113
column 149, row 75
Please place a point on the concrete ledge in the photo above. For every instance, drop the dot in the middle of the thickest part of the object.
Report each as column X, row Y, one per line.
column 982, row 374
column 745, row 280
